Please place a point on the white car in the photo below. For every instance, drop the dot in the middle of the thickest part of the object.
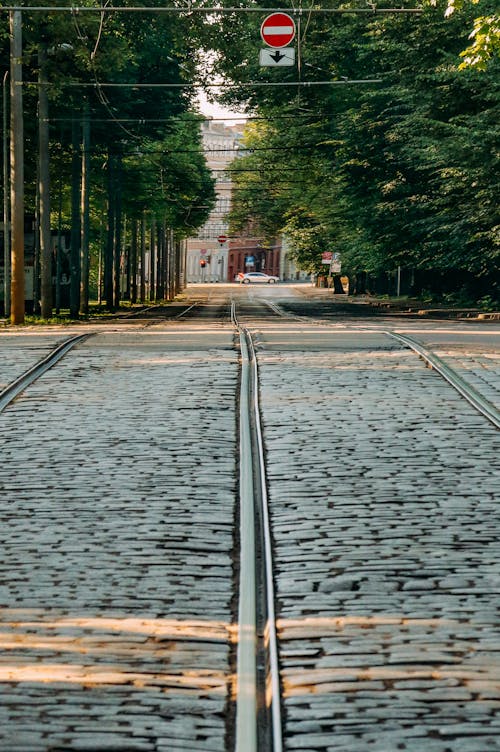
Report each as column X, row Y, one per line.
column 251, row 277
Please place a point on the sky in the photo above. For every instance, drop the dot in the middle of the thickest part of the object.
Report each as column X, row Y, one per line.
column 217, row 111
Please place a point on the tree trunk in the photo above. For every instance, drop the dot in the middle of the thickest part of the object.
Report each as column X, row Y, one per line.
column 118, row 233
column 160, row 242
column 85, row 210
column 133, row 262
column 142, row 283
column 110, row 236
column 168, row 263
column 126, row 259
column 152, row 261
column 6, row 204
column 16, row 169
column 76, row 227
column 44, row 188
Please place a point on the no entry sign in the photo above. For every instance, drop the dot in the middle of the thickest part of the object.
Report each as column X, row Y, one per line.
column 278, row 30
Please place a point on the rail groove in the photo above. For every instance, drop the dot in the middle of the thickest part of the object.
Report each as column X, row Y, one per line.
column 258, row 706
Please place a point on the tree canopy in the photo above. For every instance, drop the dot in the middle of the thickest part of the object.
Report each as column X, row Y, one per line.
column 392, row 164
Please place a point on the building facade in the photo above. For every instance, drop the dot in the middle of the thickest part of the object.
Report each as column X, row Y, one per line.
column 207, row 257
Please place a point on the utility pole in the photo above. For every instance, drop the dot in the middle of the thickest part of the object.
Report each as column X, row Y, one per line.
column 16, row 166
column 44, row 187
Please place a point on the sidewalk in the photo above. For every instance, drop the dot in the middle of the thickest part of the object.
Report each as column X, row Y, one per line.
column 408, row 306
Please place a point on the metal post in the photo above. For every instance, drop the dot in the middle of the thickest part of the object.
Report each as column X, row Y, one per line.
column 398, row 291
column 17, row 167
column 6, row 227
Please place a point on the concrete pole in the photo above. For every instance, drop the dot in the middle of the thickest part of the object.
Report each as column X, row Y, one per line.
column 16, row 167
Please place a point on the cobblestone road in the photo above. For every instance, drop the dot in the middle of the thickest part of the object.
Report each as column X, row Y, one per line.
column 117, row 487
column 118, row 500
column 20, row 350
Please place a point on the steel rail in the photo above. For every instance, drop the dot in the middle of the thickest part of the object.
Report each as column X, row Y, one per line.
column 275, row 308
column 165, row 320
column 246, row 684
column 270, row 630
column 480, row 403
column 11, row 391
column 247, row 738
column 190, row 308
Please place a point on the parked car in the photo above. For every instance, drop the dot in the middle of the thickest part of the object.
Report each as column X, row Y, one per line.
column 251, row 277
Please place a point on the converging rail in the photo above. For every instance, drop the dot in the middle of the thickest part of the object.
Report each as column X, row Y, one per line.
column 452, row 377
column 11, row 391
column 258, row 711
column 477, row 400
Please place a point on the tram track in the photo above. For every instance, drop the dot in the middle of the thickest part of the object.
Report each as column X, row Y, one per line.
column 12, row 390
column 452, row 377
column 299, row 685
column 358, row 606
column 449, row 374
column 258, row 703
column 9, row 393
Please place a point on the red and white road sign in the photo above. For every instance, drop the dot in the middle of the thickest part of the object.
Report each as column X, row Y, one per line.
column 221, row 238
column 278, row 30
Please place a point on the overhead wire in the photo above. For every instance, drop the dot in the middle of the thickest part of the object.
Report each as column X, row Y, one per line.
column 372, row 9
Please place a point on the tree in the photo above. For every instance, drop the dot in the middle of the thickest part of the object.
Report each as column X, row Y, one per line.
column 132, row 133
column 397, row 174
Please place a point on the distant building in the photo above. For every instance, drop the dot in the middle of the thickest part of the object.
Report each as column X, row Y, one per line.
column 247, row 254
column 207, row 258
column 288, row 268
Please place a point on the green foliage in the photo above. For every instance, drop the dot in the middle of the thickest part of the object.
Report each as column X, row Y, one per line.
column 399, row 173
column 154, row 132
column 485, row 36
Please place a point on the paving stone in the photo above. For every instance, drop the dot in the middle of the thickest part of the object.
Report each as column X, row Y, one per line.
column 100, row 529
column 415, row 509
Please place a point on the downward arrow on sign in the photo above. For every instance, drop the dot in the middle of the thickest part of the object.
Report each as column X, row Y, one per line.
column 277, row 56
column 272, row 58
